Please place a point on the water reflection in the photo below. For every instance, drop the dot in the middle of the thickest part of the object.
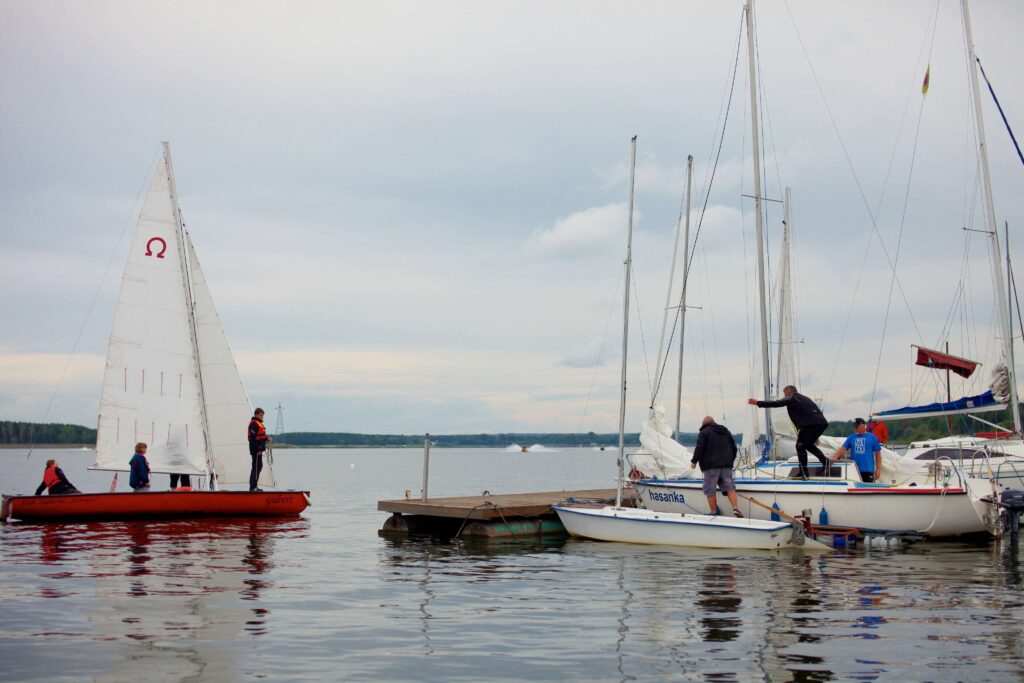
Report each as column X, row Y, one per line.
column 720, row 602
column 169, row 594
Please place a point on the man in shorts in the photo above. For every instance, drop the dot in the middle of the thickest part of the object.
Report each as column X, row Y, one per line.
column 715, row 452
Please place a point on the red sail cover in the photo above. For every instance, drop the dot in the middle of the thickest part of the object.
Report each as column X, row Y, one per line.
column 943, row 361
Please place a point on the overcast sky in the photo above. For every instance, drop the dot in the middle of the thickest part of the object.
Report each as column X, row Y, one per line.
column 412, row 214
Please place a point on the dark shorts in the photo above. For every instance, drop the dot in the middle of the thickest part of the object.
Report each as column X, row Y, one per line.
column 718, row 477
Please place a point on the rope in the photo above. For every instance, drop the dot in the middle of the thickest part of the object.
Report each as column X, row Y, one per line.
column 473, row 509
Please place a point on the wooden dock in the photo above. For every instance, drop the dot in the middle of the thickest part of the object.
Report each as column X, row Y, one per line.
column 488, row 516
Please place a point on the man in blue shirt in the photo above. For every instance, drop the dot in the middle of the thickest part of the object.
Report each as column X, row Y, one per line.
column 864, row 449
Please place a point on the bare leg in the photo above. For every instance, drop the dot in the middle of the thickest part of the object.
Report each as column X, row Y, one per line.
column 732, row 500
column 713, row 503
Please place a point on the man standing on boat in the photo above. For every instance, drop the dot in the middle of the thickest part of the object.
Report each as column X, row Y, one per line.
column 809, row 421
column 257, row 446
column 715, row 452
column 864, row 449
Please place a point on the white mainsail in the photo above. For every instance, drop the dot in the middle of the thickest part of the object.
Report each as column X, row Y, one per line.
column 227, row 406
column 150, row 384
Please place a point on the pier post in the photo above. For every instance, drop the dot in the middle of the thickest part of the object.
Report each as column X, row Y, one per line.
column 426, row 464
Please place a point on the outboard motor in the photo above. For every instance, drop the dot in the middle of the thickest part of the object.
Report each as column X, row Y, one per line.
column 1012, row 503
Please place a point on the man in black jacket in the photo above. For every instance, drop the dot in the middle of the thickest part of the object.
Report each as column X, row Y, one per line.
column 716, row 452
column 809, row 421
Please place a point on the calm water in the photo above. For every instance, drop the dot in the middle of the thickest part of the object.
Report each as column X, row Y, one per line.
column 323, row 596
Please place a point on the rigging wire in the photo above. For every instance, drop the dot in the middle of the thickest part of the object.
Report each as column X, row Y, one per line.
column 709, row 180
column 902, row 224
column 600, row 356
column 95, row 297
column 860, row 189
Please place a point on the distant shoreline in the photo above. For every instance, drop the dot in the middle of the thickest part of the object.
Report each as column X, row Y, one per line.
column 80, row 446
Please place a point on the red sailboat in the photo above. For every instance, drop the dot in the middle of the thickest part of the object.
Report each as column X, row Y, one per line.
column 171, row 382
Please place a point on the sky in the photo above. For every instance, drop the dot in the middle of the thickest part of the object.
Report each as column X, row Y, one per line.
column 412, row 215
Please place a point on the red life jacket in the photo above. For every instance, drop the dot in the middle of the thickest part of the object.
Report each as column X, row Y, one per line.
column 260, row 431
column 50, row 477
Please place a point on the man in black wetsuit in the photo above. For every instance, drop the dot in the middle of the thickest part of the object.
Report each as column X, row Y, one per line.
column 809, row 421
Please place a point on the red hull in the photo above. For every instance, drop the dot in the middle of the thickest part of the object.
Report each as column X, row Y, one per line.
column 84, row 506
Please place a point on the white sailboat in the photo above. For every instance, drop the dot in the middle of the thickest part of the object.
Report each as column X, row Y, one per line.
column 171, row 382
column 998, row 459
column 942, row 502
column 634, row 525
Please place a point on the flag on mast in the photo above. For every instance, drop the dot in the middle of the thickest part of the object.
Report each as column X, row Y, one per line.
column 927, row 77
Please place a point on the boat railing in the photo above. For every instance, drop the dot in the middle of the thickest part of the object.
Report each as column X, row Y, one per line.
column 1015, row 465
column 934, row 470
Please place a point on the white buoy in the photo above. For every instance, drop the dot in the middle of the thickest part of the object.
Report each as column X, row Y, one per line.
column 352, row 466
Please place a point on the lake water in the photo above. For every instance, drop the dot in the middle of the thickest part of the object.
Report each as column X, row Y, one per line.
column 324, row 597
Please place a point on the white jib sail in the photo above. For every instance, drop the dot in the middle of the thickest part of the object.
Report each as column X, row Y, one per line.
column 227, row 406
column 150, row 389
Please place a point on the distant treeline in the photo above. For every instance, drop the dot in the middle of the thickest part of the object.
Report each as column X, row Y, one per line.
column 922, row 429
column 349, row 440
column 900, row 432
column 33, row 433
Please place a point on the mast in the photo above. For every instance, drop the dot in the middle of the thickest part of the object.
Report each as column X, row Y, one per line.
column 179, row 233
column 990, row 216
column 785, row 355
column 625, row 329
column 664, row 314
column 682, row 297
column 756, row 141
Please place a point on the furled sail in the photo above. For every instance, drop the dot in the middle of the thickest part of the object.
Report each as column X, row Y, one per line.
column 982, row 403
column 150, row 385
column 227, row 406
column 661, row 456
column 994, row 399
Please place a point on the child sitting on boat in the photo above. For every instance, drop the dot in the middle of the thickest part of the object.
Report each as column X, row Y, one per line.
column 139, row 478
column 54, row 481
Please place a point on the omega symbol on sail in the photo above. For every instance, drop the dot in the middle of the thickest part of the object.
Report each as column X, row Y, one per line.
column 162, row 243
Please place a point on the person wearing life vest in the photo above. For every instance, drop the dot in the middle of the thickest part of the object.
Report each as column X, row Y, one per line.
column 258, row 440
column 879, row 429
column 139, row 477
column 54, row 481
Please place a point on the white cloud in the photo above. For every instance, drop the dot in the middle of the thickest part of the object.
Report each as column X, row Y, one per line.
column 584, row 232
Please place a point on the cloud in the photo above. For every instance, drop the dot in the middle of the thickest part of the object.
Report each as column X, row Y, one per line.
column 583, row 233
